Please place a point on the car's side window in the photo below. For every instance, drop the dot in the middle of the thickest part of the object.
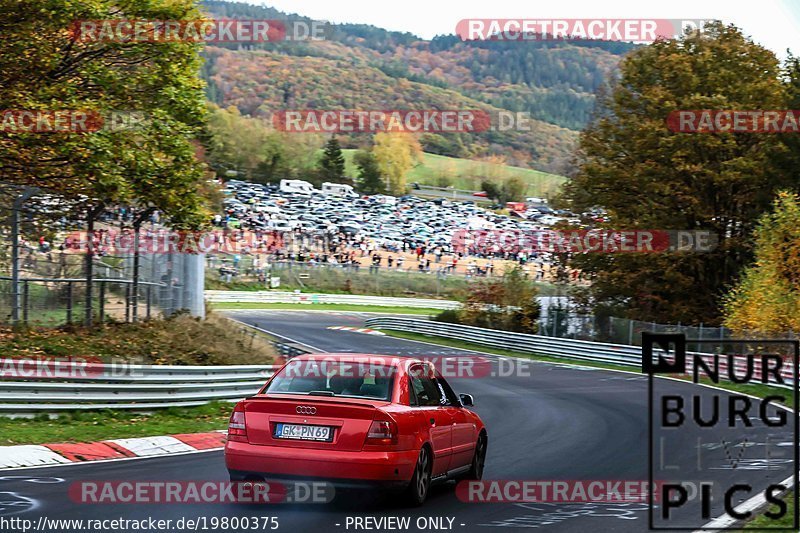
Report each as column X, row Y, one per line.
column 450, row 397
column 424, row 389
column 412, row 394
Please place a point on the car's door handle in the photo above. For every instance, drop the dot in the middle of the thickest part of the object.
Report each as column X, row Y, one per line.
column 433, row 421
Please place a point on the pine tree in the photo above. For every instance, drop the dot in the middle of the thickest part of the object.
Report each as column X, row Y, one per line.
column 370, row 180
column 331, row 166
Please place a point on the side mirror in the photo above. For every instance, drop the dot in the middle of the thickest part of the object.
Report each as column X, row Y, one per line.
column 467, row 400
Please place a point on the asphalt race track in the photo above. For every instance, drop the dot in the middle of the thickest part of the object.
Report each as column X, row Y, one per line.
column 557, row 423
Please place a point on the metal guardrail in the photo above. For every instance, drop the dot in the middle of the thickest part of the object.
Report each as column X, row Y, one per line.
column 536, row 344
column 301, row 298
column 136, row 387
column 518, row 342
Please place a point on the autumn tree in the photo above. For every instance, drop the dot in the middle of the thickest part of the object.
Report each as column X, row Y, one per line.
column 152, row 159
column 508, row 303
column 649, row 177
column 767, row 299
column 396, row 154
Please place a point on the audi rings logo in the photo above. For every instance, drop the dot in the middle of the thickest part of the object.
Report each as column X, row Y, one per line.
column 306, row 410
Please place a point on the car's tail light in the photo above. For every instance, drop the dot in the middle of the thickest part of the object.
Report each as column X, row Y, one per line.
column 237, row 427
column 382, row 432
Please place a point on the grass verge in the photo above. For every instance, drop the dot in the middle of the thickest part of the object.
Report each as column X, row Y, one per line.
column 787, row 521
column 393, row 310
column 180, row 340
column 108, row 424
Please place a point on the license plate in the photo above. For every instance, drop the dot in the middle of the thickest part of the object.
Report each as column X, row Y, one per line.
column 303, row 432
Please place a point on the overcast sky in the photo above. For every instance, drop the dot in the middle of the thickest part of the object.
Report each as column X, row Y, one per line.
column 771, row 23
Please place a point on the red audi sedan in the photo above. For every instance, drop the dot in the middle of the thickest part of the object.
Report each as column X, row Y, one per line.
column 357, row 420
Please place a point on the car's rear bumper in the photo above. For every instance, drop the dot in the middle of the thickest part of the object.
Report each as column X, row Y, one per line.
column 361, row 468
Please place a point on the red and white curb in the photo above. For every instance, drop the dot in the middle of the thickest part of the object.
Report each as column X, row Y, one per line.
column 29, row 455
column 365, row 331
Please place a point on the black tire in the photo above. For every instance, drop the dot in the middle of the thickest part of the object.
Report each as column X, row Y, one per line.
column 478, row 460
column 420, row 485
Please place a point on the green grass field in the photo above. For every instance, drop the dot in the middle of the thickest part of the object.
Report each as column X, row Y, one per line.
column 110, row 424
column 468, row 174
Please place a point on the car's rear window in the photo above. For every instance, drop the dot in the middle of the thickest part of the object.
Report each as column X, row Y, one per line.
column 335, row 378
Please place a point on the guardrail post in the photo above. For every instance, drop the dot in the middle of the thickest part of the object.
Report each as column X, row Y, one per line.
column 16, row 207
column 94, row 212
column 137, row 226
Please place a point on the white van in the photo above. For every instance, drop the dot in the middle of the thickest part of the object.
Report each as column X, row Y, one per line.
column 385, row 199
column 339, row 189
column 296, row 187
column 536, row 201
column 263, row 207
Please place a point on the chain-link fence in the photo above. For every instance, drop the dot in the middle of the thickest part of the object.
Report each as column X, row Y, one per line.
column 55, row 271
column 223, row 271
column 558, row 320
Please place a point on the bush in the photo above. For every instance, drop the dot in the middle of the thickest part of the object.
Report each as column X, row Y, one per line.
column 449, row 316
column 508, row 304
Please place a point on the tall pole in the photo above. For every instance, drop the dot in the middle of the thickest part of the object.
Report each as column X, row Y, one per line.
column 26, row 195
column 137, row 226
column 90, row 262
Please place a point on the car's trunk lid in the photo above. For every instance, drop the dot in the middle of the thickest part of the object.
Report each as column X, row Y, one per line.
column 349, row 418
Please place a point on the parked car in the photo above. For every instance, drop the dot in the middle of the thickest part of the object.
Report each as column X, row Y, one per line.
column 357, row 421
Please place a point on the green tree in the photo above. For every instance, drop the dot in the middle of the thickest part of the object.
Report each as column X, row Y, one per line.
column 239, row 144
column 492, row 190
column 331, row 164
column 649, row 177
column 369, row 180
column 152, row 161
column 252, row 149
column 513, row 189
column 767, row 299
